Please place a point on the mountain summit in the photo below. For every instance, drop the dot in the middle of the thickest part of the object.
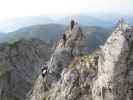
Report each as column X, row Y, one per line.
column 113, row 66
column 106, row 74
column 65, row 50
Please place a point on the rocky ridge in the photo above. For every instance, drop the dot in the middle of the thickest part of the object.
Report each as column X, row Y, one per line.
column 65, row 50
column 106, row 74
column 112, row 82
column 19, row 67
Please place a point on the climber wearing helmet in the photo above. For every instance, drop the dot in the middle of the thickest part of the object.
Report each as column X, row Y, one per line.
column 44, row 69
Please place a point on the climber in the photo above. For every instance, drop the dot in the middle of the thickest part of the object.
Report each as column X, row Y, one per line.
column 64, row 39
column 72, row 24
column 44, row 69
column 127, row 30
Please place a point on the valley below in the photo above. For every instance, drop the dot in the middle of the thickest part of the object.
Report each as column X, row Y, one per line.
column 83, row 62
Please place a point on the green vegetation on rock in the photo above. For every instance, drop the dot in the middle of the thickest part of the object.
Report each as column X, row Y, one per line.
column 3, row 69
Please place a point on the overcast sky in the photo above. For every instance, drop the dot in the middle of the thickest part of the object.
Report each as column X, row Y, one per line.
column 21, row 8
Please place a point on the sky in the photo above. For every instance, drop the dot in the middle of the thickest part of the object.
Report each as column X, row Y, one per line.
column 13, row 12
column 22, row 8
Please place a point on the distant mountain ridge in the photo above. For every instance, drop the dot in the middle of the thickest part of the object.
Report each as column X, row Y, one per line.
column 16, row 23
column 50, row 33
column 2, row 36
column 84, row 19
column 46, row 32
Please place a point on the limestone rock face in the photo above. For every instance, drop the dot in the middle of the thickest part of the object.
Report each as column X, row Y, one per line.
column 111, row 83
column 19, row 67
column 106, row 74
column 66, row 49
column 76, row 80
column 75, row 83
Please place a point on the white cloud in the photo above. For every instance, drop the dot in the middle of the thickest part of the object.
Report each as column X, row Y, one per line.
column 15, row 8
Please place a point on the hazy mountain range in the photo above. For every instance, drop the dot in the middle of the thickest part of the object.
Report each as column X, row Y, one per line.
column 105, row 21
column 50, row 33
column 20, row 59
column 45, row 32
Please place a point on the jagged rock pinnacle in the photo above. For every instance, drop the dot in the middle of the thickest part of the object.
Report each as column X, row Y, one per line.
column 125, row 29
column 112, row 65
column 71, row 38
column 122, row 25
column 67, row 48
column 72, row 23
column 106, row 76
column 64, row 52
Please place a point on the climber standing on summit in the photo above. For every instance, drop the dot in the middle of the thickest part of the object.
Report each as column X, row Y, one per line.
column 72, row 24
column 64, row 39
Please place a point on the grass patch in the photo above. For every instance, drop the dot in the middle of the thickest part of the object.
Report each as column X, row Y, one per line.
column 90, row 60
column 44, row 98
column 75, row 62
column 16, row 98
column 14, row 44
column 4, row 69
